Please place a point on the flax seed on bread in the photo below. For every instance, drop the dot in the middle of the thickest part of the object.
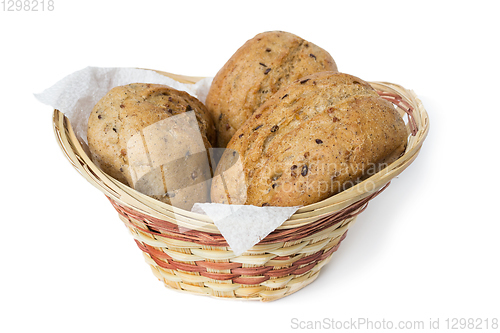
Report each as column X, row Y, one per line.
column 127, row 131
column 255, row 72
column 312, row 139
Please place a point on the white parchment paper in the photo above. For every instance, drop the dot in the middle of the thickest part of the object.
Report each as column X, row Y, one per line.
column 76, row 94
column 243, row 226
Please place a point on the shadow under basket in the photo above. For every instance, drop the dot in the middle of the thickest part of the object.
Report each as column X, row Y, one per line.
column 186, row 250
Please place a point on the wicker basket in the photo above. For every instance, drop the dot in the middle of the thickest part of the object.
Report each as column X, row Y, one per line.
column 199, row 260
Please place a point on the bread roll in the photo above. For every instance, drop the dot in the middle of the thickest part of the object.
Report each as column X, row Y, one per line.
column 257, row 70
column 312, row 139
column 146, row 136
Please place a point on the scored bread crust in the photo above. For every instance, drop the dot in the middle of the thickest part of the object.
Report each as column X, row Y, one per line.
column 312, row 139
column 255, row 72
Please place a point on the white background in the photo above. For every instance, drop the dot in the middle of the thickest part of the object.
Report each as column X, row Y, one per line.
column 427, row 248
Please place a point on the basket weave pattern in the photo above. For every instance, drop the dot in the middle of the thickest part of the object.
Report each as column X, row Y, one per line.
column 282, row 263
column 187, row 252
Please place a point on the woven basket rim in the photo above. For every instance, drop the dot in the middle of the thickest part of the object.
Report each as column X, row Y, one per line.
column 128, row 197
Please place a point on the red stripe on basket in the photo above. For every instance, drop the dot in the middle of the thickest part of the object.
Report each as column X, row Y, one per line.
column 282, row 258
column 219, row 276
column 281, row 271
column 261, row 274
column 170, row 230
column 308, row 259
column 305, row 269
column 166, row 228
column 157, row 253
column 164, row 260
column 251, row 279
column 218, row 265
column 329, row 252
column 252, row 270
column 163, row 264
column 309, row 262
column 141, row 246
column 187, row 267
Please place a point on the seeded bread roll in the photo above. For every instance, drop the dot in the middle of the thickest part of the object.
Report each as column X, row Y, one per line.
column 139, row 133
column 257, row 70
column 312, row 139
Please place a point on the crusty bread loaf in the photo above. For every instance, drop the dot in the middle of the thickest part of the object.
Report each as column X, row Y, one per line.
column 257, row 70
column 312, row 139
column 139, row 133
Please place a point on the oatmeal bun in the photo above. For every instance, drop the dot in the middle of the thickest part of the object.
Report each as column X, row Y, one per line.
column 255, row 72
column 154, row 139
column 312, row 139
